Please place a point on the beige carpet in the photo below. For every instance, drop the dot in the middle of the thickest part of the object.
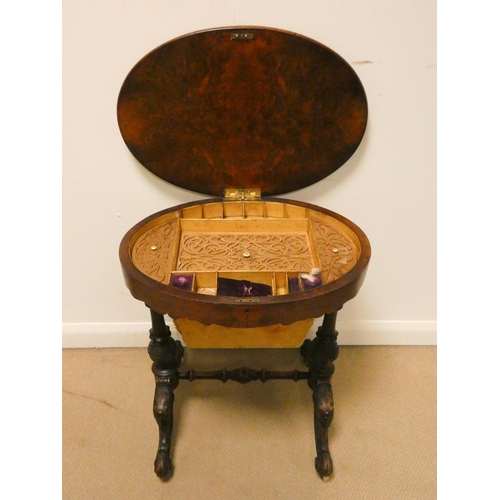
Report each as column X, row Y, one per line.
column 253, row 441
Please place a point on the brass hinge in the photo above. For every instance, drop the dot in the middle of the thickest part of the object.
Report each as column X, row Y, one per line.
column 242, row 194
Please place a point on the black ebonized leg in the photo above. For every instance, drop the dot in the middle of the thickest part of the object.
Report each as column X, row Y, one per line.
column 319, row 355
column 166, row 354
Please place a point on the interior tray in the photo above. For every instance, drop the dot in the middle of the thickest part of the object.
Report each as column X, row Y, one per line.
column 271, row 243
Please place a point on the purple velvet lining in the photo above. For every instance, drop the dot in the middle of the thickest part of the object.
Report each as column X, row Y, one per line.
column 293, row 284
column 183, row 281
column 241, row 288
column 316, row 281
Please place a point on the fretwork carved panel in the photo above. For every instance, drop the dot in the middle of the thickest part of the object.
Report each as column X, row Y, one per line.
column 268, row 252
column 153, row 251
column 337, row 252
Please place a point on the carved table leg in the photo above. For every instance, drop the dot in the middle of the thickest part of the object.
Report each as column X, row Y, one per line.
column 166, row 354
column 319, row 355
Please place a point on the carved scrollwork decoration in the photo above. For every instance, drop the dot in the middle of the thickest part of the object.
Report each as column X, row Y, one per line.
column 150, row 253
column 268, row 252
column 337, row 252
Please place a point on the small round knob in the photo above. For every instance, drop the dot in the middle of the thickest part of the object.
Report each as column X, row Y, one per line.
column 153, row 247
column 246, row 255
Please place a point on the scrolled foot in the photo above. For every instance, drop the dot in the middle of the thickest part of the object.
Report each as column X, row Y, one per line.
column 163, row 465
column 324, row 465
column 166, row 354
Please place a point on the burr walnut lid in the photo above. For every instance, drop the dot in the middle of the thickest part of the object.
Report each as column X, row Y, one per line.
column 242, row 107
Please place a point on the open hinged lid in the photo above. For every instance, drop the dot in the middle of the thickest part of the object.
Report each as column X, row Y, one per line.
column 242, row 107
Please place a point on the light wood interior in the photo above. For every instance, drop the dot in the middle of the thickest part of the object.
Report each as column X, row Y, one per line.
column 198, row 336
column 259, row 241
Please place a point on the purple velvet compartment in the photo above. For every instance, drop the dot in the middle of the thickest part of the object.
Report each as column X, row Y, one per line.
column 241, row 288
column 293, row 284
column 183, row 281
column 315, row 282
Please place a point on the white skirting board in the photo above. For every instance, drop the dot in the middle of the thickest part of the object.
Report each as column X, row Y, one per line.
column 92, row 335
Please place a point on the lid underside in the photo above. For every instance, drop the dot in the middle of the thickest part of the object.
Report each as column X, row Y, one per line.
column 242, row 107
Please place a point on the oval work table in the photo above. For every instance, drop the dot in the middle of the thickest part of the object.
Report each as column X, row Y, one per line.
column 243, row 114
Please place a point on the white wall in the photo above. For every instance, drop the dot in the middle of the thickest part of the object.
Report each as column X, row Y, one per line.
column 388, row 187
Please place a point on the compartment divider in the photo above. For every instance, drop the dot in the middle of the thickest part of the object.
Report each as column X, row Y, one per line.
column 177, row 239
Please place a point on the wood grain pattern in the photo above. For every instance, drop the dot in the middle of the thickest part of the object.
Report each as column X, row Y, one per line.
column 278, row 112
column 199, row 336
